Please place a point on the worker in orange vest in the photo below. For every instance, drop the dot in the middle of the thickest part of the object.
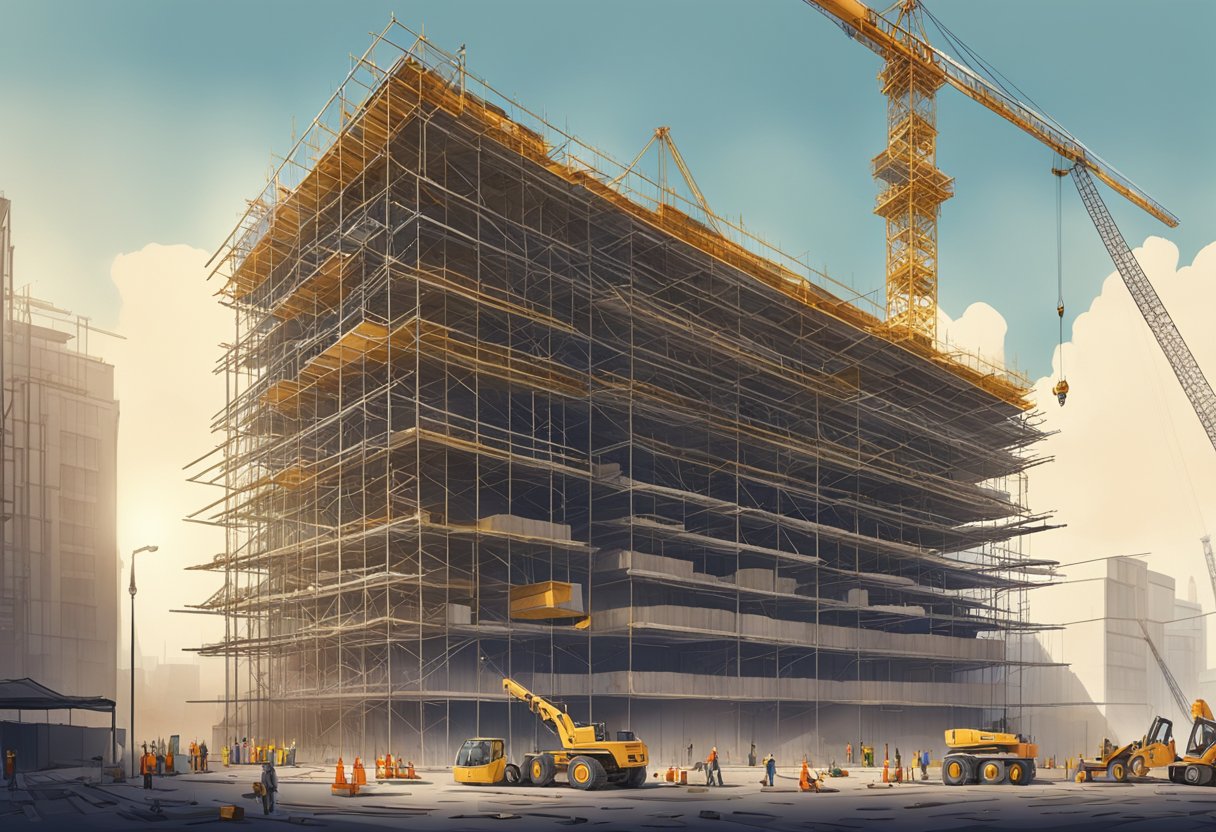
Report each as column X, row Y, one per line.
column 713, row 768
column 807, row 782
column 147, row 765
column 380, row 767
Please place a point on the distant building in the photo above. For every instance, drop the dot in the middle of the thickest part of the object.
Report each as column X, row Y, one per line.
column 1113, row 684
column 58, row 565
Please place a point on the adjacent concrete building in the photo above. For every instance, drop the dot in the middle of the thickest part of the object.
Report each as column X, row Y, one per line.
column 58, row 562
column 1113, row 685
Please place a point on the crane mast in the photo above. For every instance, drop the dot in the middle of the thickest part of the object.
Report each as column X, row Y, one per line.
column 912, row 188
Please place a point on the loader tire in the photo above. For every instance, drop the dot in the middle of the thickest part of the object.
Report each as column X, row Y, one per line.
column 1197, row 775
column 1137, row 766
column 955, row 771
column 586, row 773
column 635, row 779
column 1117, row 771
column 1018, row 773
column 992, row 772
column 511, row 775
column 542, row 770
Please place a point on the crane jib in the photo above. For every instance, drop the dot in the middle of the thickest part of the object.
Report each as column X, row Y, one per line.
column 889, row 40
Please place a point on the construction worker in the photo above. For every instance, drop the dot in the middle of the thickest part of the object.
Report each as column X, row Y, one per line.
column 751, row 756
column 848, row 753
column 225, row 754
column 270, row 786
column 202, row 755
column 715, row 767
column 147, row 765
column 770, row 768
column 10, row 769
column 808, row 781
column 924, row 764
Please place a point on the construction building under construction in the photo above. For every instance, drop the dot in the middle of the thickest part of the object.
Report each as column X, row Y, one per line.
column 499, row 405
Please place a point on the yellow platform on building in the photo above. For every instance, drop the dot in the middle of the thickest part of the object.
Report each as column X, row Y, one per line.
column 547, row 599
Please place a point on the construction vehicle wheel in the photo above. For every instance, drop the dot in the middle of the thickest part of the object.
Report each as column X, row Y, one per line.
column 1117, row 771
column 635, row 778
column 586, row 773
column 542, row 770
column 1018, row 773
column 511, row 775
column 1197, row 775
column 1137, row 766
column 955, row 771
column 992, row 772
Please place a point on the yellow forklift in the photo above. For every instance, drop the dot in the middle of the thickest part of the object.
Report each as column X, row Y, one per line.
column 588, row 759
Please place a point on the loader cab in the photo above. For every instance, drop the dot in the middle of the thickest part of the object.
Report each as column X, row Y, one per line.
column 1161, row 731
column 1203, row 739
column 601, row 731
column 481, row 760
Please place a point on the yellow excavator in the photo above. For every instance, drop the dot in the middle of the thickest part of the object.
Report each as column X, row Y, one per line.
column 1198, row 767
column 588, row 759
column 988, row 758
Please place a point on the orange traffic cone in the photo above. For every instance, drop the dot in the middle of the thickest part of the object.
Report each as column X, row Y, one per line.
column 390, row 770
column 358, row 774
column 340, row 774
column 886, row 771
column 409, row 771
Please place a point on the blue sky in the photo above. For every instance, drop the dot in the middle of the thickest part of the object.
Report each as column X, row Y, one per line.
column 131, row 122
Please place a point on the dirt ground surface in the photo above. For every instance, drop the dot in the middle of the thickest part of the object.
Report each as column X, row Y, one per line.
column 73, row 799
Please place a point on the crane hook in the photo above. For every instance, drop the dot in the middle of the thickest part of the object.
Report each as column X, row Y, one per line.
column 1061, row 390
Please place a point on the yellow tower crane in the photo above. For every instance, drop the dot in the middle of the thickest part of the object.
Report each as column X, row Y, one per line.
column 912, row 188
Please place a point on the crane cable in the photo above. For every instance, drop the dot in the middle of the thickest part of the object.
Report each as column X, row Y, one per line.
column 1060, row 266
column 1061, row 387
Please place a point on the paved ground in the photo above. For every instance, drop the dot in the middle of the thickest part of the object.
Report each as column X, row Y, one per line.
column 66, row 800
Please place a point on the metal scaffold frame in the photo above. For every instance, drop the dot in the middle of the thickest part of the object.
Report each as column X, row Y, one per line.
column 472, row 353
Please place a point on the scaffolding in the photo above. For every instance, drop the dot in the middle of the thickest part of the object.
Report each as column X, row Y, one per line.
column 477, row 364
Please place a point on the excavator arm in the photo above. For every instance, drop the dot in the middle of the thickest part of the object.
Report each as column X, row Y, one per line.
column 567, row 730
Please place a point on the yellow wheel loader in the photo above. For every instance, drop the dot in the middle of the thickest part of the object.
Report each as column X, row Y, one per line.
column 1156, row 749
column 991, row 759
column 587, row 759
column 1198, row 767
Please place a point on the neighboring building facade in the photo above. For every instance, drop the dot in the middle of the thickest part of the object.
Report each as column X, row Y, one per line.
column 1113, row 685
column 465, row 367
column 58, row 559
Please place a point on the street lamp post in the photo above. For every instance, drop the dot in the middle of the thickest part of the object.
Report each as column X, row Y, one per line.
column 131, row 589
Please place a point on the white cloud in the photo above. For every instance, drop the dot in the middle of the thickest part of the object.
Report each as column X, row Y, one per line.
column 167, row 394
column 1134, row 470
column 980, row 329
